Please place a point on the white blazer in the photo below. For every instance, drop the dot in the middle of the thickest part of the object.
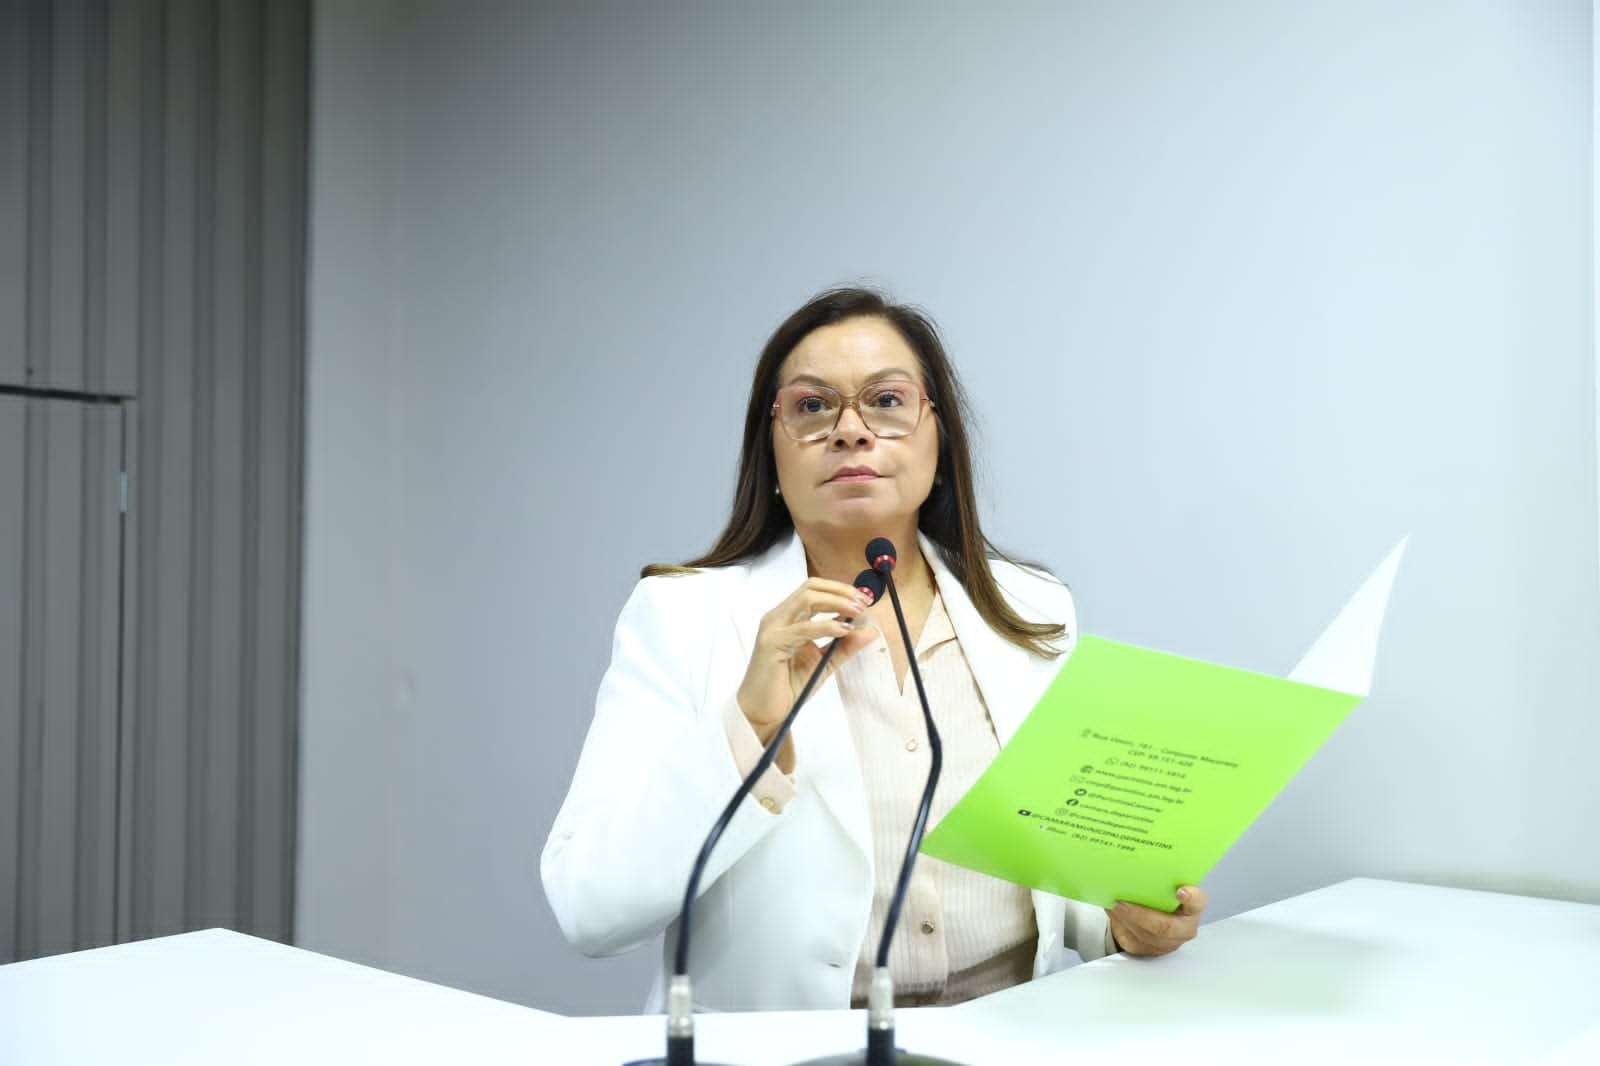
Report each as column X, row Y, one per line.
column 784, row 902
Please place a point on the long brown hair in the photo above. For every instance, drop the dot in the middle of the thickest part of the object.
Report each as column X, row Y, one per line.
column 949, row 516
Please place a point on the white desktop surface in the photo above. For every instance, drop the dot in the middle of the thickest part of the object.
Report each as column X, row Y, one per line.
column 1364, row 971
column 221, row 998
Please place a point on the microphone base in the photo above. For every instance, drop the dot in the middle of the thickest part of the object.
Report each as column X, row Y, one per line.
column 680, row 1052
column 880, row 1051
column 897, row 1058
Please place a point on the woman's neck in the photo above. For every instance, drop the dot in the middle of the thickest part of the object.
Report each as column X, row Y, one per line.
column 840, row 557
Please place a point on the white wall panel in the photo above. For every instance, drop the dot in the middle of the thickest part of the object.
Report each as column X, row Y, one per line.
column 1243, row 291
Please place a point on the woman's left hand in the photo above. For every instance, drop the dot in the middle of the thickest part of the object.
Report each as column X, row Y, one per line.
column 1145, row 931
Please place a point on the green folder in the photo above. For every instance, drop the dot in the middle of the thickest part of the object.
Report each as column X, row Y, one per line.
column 1137, row 769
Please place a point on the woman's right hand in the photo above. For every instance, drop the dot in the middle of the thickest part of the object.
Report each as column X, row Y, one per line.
column 785, row 654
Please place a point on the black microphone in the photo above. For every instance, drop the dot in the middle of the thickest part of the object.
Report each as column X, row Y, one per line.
column 680, row 999
column 880, row 1050
column 881, row 556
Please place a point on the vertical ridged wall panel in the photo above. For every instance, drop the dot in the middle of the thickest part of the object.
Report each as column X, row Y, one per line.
column 128, row 98
column 13, row 567
column 58, row 719
column 275, row 438
column 160, row 214
column 132, row 865
column 216, row 515
column 69, row 108
column 13, row 196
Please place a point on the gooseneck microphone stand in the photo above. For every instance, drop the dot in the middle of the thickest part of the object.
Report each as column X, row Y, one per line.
column 880, row 1049
column 680, row 998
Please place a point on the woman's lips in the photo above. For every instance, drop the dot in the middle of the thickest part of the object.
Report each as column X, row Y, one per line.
column 849, row 478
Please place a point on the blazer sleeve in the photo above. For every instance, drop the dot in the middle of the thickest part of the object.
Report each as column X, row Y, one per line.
column 1088, row 931
column 655, row 772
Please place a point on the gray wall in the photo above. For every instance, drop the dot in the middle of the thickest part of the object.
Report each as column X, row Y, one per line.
column 1244, row 291
column 351, row 709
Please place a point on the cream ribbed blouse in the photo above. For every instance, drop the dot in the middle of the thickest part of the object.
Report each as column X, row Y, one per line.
column 962, row 934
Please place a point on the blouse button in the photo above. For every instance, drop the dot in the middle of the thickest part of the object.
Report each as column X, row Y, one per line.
column 911, row 745
column 769, row 803
column 927, row 925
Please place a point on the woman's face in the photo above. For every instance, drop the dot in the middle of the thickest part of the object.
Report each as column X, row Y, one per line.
column 853, row 478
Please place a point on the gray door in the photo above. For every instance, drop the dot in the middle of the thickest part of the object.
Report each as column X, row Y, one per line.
column 60, row 580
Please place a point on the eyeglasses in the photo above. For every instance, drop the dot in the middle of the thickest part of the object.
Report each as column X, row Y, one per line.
column 887, row 408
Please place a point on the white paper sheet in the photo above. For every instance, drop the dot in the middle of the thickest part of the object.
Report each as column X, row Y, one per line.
column 1343, row 657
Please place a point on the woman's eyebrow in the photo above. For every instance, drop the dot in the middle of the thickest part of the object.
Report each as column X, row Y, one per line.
column 891, row 373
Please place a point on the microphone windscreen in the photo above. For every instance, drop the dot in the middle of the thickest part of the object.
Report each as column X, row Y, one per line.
column 870, row 582
column 881, row 553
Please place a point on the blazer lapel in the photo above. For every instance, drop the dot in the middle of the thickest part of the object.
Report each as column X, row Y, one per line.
column 770, row 578
column 1010, row 679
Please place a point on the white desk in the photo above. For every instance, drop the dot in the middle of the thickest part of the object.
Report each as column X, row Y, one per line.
column 221, row 998
column 1365, row 971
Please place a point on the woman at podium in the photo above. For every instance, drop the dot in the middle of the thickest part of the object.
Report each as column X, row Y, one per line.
column 855, row 429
